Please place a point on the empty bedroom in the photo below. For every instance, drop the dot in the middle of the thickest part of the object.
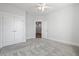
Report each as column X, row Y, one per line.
column 39, row 29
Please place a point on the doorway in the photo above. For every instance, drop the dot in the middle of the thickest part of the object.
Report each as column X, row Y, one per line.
column 38, row 29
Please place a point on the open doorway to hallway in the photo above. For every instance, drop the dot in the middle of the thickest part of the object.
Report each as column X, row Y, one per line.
column 38, row 29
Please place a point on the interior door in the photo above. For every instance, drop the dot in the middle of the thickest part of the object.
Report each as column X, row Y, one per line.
column 8, row 27
column 19, row 29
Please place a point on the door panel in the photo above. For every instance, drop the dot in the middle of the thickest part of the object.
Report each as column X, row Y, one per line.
column 8, row 27
column 19, row 30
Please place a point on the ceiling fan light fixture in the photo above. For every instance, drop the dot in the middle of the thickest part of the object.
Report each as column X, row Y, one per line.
column 42, row 6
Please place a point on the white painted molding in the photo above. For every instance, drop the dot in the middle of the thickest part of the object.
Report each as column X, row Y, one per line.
column 65, row 42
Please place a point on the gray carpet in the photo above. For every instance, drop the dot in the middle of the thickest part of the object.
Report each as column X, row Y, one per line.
column 40, row 47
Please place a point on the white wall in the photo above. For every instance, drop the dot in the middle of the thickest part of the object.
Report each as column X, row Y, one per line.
column 12, row 25
column 75, row 28
column 63, row 25
column 30, row 31
column 0, row 31
column 44, row 28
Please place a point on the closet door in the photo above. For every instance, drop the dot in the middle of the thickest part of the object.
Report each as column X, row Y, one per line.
column 8, row 27
column 19, row 29
column 0, row 31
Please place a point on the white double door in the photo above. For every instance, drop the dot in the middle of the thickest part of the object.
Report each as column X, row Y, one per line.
column 12, row 28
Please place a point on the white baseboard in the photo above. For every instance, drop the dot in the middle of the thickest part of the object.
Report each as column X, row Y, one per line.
column 11, row 43
column 0, row 45
column 66, row 42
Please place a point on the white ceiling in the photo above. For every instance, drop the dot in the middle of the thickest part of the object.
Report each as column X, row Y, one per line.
column 32, row 7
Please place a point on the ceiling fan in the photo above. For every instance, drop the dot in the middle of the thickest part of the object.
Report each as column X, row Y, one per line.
column 42, row 6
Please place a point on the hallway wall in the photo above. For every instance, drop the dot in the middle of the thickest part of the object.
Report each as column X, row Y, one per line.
column 31, row 25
